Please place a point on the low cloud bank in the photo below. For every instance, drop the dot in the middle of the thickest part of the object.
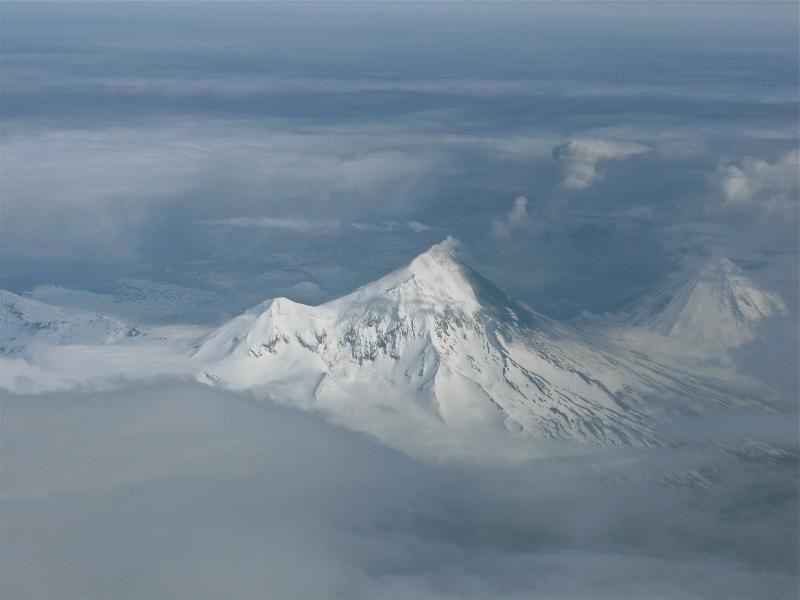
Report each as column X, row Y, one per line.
column 176, row 490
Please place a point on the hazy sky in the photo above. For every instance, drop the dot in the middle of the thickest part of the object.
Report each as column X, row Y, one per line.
column 253, row 150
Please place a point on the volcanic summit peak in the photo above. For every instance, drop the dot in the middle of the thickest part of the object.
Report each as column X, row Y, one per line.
column 436, row 277
column 442, row 256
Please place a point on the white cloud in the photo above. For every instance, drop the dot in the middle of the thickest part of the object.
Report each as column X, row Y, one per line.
column 580, row 159
column 514, row 219
column 769, row 188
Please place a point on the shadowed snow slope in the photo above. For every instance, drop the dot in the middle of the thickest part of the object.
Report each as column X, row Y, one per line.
column 434, row 346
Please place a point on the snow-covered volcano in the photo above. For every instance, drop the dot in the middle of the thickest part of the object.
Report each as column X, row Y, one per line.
column 716, row 308
column 436, row 343
column 25, row 322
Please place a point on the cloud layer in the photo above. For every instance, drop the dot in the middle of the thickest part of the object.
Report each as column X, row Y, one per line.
column 182, row 490
column 104, row 187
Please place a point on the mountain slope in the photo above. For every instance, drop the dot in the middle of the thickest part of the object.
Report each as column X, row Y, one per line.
column 435, row 344
column 715, row 308
column 25, row 322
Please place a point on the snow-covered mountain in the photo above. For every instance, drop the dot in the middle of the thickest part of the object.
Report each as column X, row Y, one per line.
column 25, row 322
column 716, row 308
column 436, row 344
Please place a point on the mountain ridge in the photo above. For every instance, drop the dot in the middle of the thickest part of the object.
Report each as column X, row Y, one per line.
column 430, row 358
column 437, row 340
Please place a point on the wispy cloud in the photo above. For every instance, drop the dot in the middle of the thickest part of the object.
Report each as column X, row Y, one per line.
column 32, row 80
column 293, row 224
column 516, row 218
column 304, row 225
column 417, row 227
column 414, row 226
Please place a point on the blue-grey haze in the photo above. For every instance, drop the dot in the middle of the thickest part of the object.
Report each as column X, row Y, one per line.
column 180, row 162
column 133, row 131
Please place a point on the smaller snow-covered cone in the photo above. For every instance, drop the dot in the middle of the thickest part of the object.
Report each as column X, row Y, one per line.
column 715, row 309
column 25, row 323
